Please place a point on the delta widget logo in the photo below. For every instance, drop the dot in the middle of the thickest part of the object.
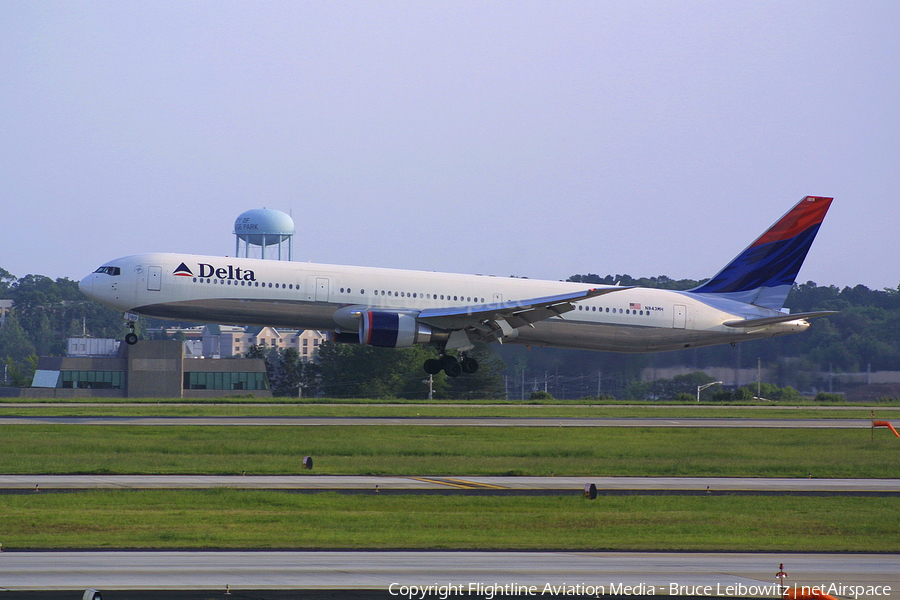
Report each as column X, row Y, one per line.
column 183, row 271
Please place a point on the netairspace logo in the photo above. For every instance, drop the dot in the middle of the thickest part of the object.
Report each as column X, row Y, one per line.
column 489, row 591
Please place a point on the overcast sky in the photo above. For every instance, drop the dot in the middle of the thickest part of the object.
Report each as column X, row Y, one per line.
column 538, row 139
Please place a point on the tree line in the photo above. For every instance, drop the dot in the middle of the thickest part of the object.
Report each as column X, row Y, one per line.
column 865, row 334
column 352, row 371
column 45, row 313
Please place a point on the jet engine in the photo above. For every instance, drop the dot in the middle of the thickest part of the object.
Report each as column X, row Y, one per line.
column 392, row 329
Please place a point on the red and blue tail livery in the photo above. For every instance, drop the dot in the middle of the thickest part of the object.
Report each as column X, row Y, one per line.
column 764, row 273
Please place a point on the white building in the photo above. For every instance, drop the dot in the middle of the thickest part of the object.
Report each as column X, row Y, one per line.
column 5, row 307
column 224, row 341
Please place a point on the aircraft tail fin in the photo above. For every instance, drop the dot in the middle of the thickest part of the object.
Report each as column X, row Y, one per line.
column 765, row 271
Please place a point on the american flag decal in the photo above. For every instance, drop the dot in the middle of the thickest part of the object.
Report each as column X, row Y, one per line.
column 634, row 306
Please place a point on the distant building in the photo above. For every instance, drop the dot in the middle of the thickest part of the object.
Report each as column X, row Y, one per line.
column 149, row 369
column 92, row 347
column 5, row 307
column 221, row 341
column 309, row 342
column 863, row 384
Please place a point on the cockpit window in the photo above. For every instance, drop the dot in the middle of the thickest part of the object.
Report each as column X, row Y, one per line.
column 109, row 270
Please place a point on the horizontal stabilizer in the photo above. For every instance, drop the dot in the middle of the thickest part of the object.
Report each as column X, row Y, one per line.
column 764, row 321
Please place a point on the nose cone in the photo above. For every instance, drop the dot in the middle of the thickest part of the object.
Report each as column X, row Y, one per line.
column 86, row 286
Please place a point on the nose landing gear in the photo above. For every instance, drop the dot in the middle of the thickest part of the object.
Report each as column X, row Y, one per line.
column 131, row 338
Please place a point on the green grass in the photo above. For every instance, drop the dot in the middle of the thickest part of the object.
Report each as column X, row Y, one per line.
column 443, row 410
column 415, row 450
column 263, row 519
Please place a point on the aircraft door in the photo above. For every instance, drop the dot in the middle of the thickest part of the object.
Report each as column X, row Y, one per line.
column 498, row 298
column 679, row 316
column 322, row 290
column 154, row 278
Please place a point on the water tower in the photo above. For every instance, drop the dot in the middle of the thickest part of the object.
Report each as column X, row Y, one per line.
column 264, row 227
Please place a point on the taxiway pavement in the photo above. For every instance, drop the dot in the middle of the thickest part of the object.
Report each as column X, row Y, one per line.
column 642, row 572
column 445, row 422
column 38, row 483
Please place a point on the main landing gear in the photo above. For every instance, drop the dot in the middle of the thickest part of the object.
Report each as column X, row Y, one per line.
column 450, row 365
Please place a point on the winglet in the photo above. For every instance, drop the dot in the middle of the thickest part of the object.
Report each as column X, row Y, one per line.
column 765, row 271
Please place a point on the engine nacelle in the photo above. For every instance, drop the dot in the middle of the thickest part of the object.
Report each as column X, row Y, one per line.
column 392, row 329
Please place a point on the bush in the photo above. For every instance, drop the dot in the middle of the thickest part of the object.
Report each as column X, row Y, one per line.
column 825, row 398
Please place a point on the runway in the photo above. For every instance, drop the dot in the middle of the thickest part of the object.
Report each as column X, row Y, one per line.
column 495, row 485
column 446, row 422
column 386, row 573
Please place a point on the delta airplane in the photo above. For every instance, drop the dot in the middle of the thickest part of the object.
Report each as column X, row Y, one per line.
column 399, row 308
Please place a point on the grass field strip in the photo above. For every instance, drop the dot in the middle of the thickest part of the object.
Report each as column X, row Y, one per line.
column 223, row 518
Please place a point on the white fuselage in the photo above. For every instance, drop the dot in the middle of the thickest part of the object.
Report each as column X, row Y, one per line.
column 243, row 291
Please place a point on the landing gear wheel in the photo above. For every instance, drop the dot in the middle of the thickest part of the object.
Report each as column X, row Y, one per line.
column 131, row 338
column 433, row 366
column 469, row 365
column 451, row 366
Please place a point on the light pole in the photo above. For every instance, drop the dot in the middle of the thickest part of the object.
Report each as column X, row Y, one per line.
column 700, row 388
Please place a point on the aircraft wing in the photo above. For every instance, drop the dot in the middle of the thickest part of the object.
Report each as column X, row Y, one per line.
column 508, row 316
column 764, row 321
